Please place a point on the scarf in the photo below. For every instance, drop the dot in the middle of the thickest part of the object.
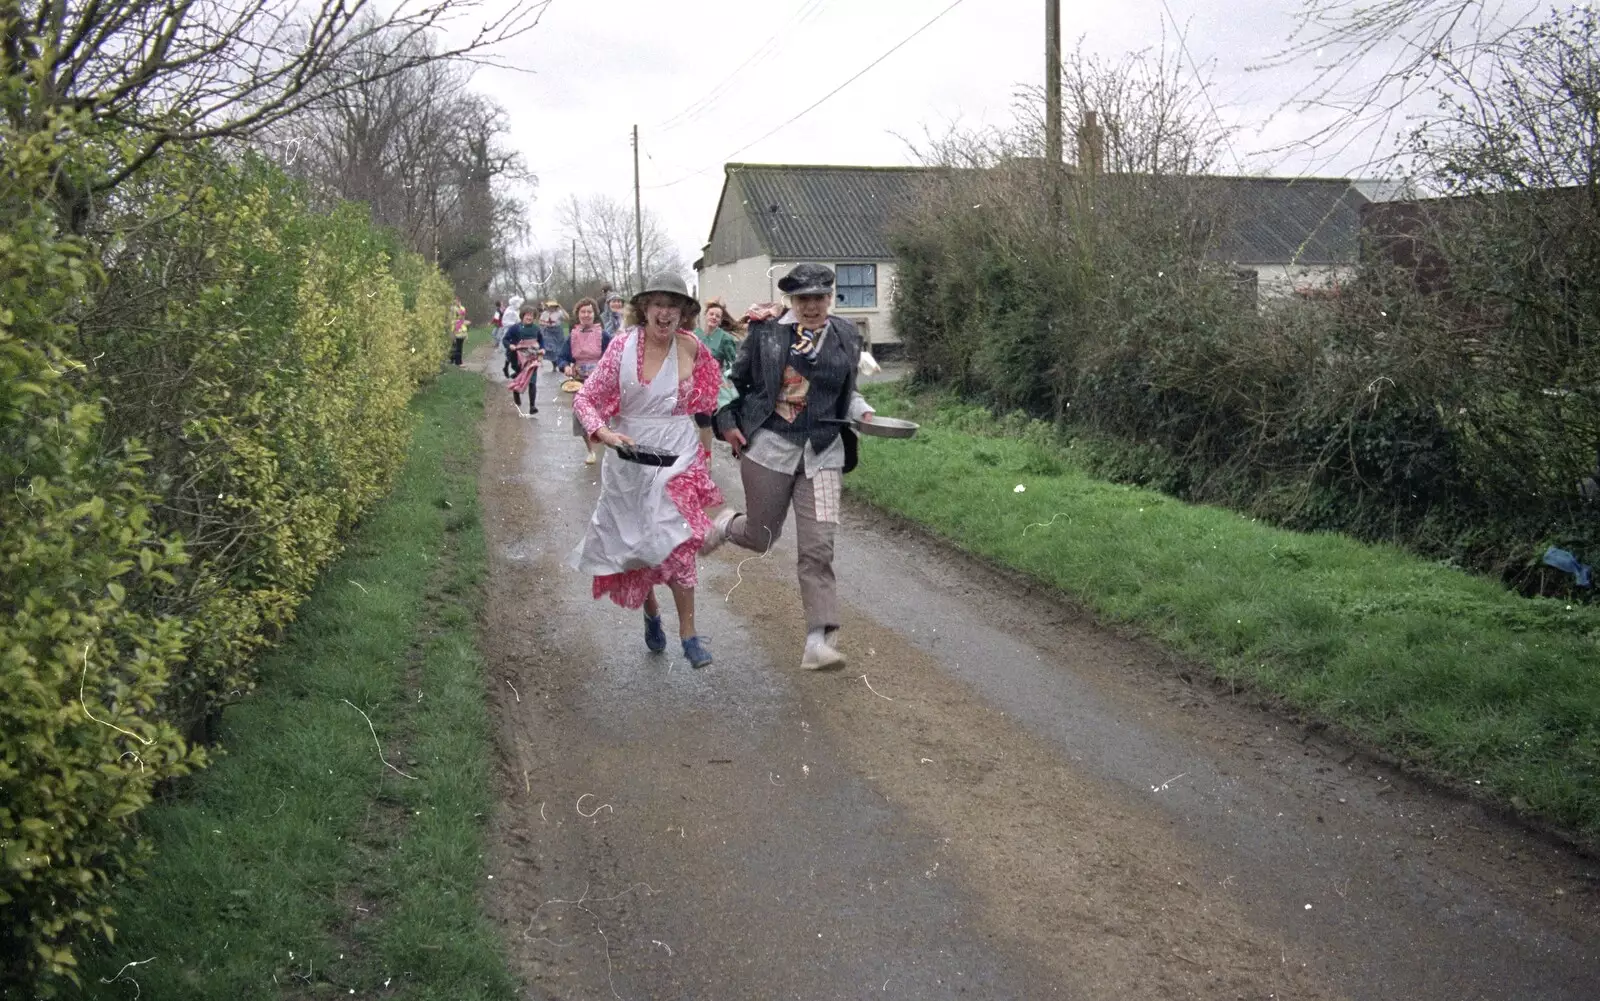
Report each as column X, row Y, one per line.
column 803, row 343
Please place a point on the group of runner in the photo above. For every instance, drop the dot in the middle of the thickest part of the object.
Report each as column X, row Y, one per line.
column 530, row 333
column 654, row 386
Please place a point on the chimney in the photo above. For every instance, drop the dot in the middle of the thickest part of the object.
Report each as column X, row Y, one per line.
column 1091, row 146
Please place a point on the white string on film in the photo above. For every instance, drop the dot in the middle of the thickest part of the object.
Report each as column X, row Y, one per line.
column 82, row 680
column 1046, row 524
column 375, row 740
column 121, row 976
column 739, row 570
column 593, row 813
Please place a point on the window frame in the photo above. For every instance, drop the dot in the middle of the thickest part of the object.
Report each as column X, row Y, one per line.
column 840, row 285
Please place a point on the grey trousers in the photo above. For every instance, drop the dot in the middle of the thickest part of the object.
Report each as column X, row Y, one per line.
column 768, row 496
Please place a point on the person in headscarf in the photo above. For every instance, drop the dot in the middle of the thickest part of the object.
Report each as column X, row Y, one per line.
column 552, row 324
column 509, row 319
column 611, row 316
column 650, row 400
column 796, row 380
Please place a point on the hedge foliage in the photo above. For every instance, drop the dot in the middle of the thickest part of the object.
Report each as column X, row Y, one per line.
column 200, row 392
column 1458, row 422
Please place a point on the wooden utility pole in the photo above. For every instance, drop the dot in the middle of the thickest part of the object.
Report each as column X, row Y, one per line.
column 638, row 224
column 574, row 267
column 433, row 217
column 1052, row 109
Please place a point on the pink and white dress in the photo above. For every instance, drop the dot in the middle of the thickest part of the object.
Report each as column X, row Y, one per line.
column 650, row 521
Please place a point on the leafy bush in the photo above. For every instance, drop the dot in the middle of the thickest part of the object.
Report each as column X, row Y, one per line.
column 273, row 391
column 82, row 662
column 1455, row 415
column 199, row 395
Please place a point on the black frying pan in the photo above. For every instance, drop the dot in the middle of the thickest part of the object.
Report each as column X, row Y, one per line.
column 644, row 455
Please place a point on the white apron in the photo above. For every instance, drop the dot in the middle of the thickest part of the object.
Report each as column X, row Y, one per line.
column 636, row 525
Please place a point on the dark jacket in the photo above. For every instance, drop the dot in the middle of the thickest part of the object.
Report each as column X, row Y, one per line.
column 520, row 333
column 758, row 375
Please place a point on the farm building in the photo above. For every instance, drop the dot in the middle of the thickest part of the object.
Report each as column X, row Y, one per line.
column 1290, row 234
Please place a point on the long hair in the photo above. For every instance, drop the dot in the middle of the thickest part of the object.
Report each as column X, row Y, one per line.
column 730, row 323
column 691, row 311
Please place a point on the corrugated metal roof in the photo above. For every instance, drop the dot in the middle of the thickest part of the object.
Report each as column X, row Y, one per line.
column 832, row 213
column 1305, row 220
column 824, row 213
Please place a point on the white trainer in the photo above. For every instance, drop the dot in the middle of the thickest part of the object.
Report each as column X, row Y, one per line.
column 820, row 655
column 719, row 532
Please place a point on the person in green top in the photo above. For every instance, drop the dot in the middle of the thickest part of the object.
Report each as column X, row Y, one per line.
column 720, row 332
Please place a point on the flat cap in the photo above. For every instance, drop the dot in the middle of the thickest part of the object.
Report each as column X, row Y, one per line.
column 807, row 279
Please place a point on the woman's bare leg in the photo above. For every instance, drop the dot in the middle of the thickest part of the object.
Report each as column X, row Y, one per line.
column 652, row 607
column 683, row 597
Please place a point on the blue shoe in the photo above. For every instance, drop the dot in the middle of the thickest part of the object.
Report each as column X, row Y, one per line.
column 696, row 652
column 655, row 638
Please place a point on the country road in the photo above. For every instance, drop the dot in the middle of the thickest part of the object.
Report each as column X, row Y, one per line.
column 997, row 798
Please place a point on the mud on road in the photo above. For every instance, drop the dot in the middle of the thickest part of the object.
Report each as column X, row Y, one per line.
column 995, row 799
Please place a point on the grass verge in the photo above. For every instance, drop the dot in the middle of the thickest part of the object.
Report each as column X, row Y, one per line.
column 1492, row 692
column 302, row 863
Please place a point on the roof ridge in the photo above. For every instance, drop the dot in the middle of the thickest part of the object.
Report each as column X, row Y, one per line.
column 914, row 168
column 826, row 166
column 818, row 211
column 1275, row 179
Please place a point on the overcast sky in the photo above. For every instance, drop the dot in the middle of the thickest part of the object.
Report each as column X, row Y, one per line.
column 594, row 68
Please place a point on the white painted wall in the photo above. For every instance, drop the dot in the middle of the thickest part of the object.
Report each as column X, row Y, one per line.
column 1276, row 281
column 741, row 284
column 746, row 282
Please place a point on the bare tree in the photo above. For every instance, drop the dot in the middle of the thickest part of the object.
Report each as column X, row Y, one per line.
column 1155, row 116
column 544, row 273
column 1370, row 61
column 1136, row 230
column 427, row 154
column 1499, row 280
column 180, row 70
column 1533, row 125
column 1519, row 238
column 604, row 230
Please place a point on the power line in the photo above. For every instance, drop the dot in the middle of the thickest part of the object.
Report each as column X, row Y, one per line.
column 818, row 103
column 807, row 12
column 1183, row 46
column 804, row 14
column 674, row 164
column 708, row 98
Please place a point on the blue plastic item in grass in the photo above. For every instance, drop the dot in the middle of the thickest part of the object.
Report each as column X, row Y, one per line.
column 1567, row 563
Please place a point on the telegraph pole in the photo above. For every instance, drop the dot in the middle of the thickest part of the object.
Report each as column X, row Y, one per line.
column 1052, row 106
column 433, row 217
column 574, row 266
column 638, row 224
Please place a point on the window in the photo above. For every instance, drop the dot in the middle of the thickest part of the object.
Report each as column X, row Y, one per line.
column 857, row 286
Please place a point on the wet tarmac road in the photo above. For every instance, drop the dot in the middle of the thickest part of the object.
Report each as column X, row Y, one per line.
column 995, row 799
